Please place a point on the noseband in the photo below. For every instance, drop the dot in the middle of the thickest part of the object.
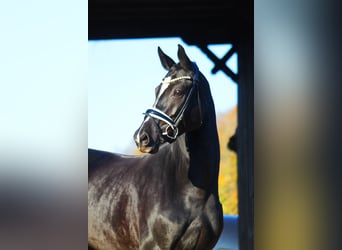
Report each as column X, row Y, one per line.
column 171, row 132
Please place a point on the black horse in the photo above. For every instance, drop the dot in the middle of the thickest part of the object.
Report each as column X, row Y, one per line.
column 167, row 199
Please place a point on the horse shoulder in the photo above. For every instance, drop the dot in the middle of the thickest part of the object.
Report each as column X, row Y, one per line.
column 111, row 202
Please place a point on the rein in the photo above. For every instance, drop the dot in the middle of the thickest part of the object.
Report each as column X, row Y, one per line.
column 171, row 131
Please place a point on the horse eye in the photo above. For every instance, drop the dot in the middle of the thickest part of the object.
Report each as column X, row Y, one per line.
column 178, row 92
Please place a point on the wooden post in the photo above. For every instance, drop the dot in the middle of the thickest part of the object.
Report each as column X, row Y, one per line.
column 245, row 131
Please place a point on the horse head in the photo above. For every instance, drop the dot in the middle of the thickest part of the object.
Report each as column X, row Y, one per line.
column 177, row 106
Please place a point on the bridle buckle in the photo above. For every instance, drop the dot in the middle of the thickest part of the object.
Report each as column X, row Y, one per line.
column 171, row 132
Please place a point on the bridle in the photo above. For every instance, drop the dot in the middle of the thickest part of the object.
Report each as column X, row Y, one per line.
column 171, row 131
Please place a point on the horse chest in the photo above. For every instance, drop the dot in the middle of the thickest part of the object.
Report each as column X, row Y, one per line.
column 184, row 230
column 205, row 229
column 165, row 233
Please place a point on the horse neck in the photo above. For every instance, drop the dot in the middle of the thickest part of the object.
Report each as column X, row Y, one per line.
column 204, row 154
column 203, row 147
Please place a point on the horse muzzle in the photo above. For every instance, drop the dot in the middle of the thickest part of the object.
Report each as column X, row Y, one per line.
column 147, row 138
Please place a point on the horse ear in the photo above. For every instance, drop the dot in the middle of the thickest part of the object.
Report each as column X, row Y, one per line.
column 165, row 60
column 184, row 59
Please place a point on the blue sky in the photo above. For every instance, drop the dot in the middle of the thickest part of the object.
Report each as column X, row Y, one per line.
column 122, row 75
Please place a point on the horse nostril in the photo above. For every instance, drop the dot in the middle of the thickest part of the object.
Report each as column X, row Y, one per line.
column 144, row 139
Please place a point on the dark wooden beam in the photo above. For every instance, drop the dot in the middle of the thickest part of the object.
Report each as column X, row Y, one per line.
column 211, row 22
column 245, row 131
